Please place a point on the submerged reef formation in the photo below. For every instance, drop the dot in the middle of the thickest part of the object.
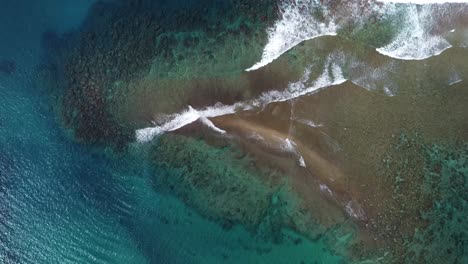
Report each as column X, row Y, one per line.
column 201, row 175
column 96, row 69
column 306, row 139
column 228, row 186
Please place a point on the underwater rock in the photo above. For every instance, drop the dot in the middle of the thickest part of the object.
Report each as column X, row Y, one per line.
column 121, row 42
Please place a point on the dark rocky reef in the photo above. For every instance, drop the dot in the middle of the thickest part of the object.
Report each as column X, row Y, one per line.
column 222, row 178
column 229, row 187
column 117, row 44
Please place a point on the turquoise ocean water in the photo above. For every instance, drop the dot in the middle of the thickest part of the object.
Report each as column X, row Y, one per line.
column 61, row 202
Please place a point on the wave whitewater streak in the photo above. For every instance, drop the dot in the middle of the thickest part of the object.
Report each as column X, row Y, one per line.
column 414, row 42
column 298, row 23
column 332, row 75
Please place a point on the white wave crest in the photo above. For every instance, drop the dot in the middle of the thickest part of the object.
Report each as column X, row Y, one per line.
column 180, row 120
column 414, row 42
column 296, row 25
column 332, row 75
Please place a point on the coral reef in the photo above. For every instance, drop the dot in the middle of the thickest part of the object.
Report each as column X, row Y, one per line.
column 121, row 42
column 227, row 186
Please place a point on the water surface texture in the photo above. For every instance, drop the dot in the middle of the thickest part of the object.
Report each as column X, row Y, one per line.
column 233, row 131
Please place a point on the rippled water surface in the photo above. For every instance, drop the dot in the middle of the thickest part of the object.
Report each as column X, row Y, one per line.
column 239, row 131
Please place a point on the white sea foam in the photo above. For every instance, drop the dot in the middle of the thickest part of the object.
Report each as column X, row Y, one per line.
column 355, row 210
column 296, row 25
column 414, row 42
column 324, row 188
column 332, row 75
column 180, row 120
column 422, row 2
column 210, row 124
column 290, row 146
column 302, row 161
column 372, row 77
column 309, row 123
column 454, row 78
column 388, row 92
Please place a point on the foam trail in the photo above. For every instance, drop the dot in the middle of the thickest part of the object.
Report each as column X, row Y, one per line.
column 290, row 146
column 355, row 210
column 388, row 92
column 324, row 188
column 309, row 123
column 210, row 124
column 302, row 161
column 332, row 75
column 297, row 89
column 183, row 119
column 296, row 25
column 454, row 78
column 414, row 42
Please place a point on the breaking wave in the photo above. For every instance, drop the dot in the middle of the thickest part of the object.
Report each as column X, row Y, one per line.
column 414, row 42
column 299, row 22
column 185, row 118
column 296, row 25
column 332, row 75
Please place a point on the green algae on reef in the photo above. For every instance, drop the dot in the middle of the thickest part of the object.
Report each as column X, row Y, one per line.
column 222, row 183
column 213, row 180
column 226, row 186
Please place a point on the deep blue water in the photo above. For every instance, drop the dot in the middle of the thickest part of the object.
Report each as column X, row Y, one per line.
column 62, row 202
